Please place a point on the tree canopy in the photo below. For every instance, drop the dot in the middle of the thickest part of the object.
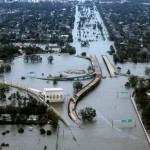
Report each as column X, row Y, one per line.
column 88, row 114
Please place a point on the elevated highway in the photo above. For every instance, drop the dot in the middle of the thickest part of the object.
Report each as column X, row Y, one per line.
column 109, row 66
column 85, row 90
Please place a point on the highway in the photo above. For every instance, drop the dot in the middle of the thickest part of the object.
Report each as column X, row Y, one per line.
column 109, row 66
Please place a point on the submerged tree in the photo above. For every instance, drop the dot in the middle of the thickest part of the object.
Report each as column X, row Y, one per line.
column 147, row 71
column 55, row 81
column 128, row 72
column 133, row 80
column 88, row 114
column 50, row 59
column 77, row 86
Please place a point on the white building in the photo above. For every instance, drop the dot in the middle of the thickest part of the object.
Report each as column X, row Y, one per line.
column 53, row 94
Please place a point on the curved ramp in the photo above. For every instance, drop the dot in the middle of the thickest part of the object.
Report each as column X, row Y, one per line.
column 85, row 90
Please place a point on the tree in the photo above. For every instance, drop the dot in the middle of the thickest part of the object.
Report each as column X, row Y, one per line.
column 133, row 80
column 128, row 72
column 42, row 131
column 49, row 132
column 54, row 119
column 83, row 54
column 7, row 68
column 127, row 85
column 1, row 69
column 77, row 86
column 68, row 49
column 88, row 114
column 50, row 59
column 147, row 71
column 115, row 58
column 55, row 81
column 20, row 130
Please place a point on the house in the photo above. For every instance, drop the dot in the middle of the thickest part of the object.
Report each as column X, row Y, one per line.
column 53, row 95
column 54, row 47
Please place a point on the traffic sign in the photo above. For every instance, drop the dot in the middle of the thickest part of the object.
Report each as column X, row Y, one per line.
column 124, row 92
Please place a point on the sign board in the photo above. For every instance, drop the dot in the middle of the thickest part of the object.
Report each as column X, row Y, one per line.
column 124, row 92
column 124, row 123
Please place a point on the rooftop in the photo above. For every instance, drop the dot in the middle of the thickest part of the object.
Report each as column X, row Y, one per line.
column 53, row 89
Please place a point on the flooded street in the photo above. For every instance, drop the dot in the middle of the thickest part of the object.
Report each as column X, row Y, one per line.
column 108, row 100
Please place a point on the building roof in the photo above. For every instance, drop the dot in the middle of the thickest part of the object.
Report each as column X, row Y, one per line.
column 53, row 89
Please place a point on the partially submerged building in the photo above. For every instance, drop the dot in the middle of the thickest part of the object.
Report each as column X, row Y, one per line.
column 53, row 95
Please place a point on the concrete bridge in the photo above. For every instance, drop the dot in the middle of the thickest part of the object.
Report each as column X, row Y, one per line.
column 85, row 90
column 36, row 96
column 109, row 66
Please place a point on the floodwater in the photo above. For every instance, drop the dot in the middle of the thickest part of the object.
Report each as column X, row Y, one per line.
column 108, row 100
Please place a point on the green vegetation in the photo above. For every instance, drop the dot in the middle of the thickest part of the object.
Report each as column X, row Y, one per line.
column 147, row 71
column 55, row 80
column 30, row 50
column 4, row 144
column 68, row 49
column 84, row 43
column 129, row 31
column 77, row 86
column 83, row 54
column 20, row 130
column 112, row 50
column 42, row 131
column 128, row 72
column 142, row 99
column 26, row 106
column 32, row 58
column 7, row 52
column 50, row 59
column 3, row 88
column 37, row 23
column 54, row 119
column 23, row 78
column 6, row 132
column 133, row 80
column 49, row 132
column 5, row 68
column 88, row 114
column 127, row 85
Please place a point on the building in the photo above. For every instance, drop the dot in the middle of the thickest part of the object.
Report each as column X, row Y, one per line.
column 53, row 95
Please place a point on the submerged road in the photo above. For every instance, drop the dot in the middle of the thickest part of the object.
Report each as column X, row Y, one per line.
column 108, row 104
